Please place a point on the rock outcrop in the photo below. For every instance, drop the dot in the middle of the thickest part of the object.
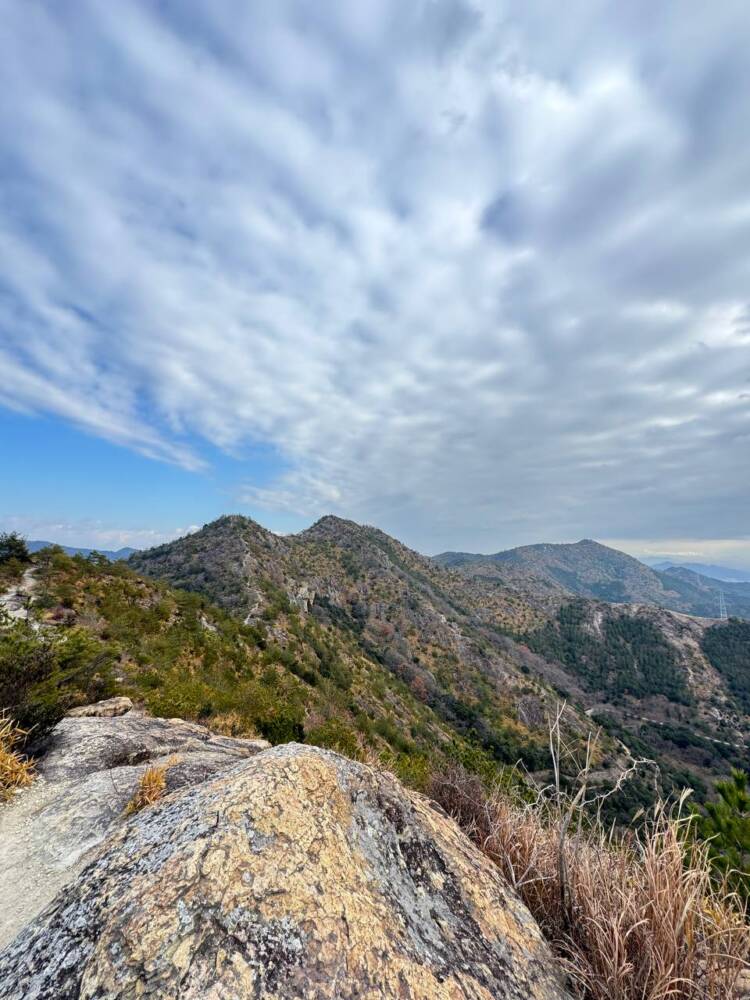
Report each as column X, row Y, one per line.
column 294, row 874
column 83, row 786
column 102, row 709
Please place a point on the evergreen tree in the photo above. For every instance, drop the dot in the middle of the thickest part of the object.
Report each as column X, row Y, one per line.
column 12, row 546
column 725, row 824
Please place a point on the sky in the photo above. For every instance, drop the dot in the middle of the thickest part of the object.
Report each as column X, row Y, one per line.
column 475, row 272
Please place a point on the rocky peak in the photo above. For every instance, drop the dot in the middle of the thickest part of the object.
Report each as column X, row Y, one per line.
column 333, row 528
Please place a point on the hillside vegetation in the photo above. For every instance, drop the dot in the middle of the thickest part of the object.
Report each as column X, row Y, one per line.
column 396, row 608
column 284, row 676
column 342, row 637
column 490, row 661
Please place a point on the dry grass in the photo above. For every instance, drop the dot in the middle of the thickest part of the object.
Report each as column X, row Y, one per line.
column 150, row 789
column 231, row 724
column 16, row 771
column 633, row 916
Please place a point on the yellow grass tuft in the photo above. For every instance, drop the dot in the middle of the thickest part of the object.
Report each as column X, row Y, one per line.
column 150, row 789
column 16, row 771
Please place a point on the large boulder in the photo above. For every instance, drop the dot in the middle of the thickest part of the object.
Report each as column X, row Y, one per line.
column 294, row 874
column 85, row 781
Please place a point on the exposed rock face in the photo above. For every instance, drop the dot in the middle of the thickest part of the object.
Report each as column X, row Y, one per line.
column 296, row 874
column 84, row 783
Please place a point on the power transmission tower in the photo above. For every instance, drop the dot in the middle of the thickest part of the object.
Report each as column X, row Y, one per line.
column 723, row 616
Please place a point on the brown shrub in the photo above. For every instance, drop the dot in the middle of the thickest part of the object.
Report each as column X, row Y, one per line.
column 633, row 916
column 16, row 771
column 231, row 724
column 419, row 688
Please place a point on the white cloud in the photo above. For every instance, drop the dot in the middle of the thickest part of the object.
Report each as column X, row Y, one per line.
column 91, row 534
column 477, row 277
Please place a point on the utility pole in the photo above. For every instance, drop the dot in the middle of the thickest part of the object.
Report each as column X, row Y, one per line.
column 723, row 616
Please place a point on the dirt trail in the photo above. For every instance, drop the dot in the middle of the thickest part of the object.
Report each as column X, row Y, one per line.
column 15, row 601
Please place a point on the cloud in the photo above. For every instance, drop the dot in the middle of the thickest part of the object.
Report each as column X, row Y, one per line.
column 476, row 280
column 90, row 533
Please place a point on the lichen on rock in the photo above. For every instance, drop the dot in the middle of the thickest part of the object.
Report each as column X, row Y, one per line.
column 83, row 786
column 294, row 874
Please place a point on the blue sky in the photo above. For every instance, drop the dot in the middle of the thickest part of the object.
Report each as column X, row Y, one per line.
column 77, row 488
column 475, row 272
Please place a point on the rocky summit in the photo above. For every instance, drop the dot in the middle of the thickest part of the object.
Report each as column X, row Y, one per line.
column 291, row 872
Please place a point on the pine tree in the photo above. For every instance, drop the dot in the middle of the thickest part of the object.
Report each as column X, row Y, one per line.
column 725, row 824
column 12, row 546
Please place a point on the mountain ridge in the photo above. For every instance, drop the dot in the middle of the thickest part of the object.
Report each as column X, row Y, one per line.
column 490, row 657
column 550, row 572
column 724, row 574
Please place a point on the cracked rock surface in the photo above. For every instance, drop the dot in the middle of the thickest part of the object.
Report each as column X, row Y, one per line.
column 48, row 831
column 295, row 873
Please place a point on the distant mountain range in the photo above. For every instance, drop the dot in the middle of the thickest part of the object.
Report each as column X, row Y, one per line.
column 74, row 550
column 549, row 573
column 728, row 574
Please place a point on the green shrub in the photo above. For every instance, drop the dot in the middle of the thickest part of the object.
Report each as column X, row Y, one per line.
column 42, row 676
column 284, row 726
column 725, row 825
column 335, row 735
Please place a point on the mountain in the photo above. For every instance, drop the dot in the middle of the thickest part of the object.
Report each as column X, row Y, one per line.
column 549, row 574
column 338, row 638
column 736, row 595
column 586, row 568
column 726, row 574
column 342, row 637
column 442, row 637
column 286, row 670
column 490, row 652
column 72, row 550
